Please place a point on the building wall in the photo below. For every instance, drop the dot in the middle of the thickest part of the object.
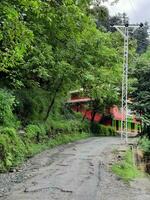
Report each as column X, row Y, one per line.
column 132, row 127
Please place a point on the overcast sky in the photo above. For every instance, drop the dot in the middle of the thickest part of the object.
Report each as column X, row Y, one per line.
column 137, row 10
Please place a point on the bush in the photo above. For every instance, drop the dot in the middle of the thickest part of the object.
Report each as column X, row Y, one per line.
column 144, row 144
column 111, row 131
column 101, row 130
column 33, row 104
column 59, row 126
column 12, row 148
column 7, row 103
column 64, row 139
column 95, row 128
column 35, row 132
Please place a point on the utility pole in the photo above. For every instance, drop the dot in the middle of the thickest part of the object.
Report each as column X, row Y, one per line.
column 124, row 31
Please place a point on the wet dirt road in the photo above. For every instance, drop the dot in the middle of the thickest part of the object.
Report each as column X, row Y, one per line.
column 77, row 171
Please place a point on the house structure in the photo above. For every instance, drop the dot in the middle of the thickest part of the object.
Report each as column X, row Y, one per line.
column 111, row 117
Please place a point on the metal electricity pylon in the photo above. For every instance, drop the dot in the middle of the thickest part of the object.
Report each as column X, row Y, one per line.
column 124, row 30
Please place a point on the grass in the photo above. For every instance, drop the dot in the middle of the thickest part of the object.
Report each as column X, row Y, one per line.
column 126, row 169
column 59, row 140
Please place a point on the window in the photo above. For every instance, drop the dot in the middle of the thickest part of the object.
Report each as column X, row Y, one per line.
column 132, row 126
column 117, row 125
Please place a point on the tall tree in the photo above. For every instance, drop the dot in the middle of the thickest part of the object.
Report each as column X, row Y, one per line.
column 52, row 45
column 142, row 88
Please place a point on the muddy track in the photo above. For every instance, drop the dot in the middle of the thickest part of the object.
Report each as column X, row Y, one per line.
column 78, row 171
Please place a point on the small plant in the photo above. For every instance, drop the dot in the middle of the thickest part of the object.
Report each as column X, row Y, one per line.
column 35, row 132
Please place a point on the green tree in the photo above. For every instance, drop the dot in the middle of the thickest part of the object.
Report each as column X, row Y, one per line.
column 142, row 88
column 53, row 46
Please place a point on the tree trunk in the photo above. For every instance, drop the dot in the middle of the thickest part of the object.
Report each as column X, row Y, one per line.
column 92, row 124
column 93, row 116
column 53, row 99
column 83, row 118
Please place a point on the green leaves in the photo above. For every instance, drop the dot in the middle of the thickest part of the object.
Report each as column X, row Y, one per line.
column 7, row 102
column 15, row 38
column 47, row 43
column 141, row 87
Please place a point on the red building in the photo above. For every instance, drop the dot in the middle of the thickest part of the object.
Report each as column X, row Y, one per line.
column 111, row 117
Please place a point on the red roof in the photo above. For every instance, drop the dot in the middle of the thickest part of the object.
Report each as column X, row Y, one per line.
column 81, row 100
column 116, row 113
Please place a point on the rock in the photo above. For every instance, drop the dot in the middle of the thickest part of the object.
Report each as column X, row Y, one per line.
column 12, row 170
column 91, row 164
column 119, row 157
column 34, row 183
column 1, row 195
column 19, row 170
column 118, row 178
column 26, row 189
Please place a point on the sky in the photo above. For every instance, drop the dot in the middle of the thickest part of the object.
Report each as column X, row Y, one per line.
column 137, row 10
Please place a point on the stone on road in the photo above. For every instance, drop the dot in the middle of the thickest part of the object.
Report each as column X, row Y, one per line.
column 77, row 171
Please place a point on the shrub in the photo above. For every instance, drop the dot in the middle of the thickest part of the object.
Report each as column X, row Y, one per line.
column 144, row 144
column 33, row 104
column 35, row 132
column 58, row 126
column 95, row 128
column 7, row 103
column 64, row 139
column 43, row 130
column 12, row 148
column 101, row 130
column 111, row 131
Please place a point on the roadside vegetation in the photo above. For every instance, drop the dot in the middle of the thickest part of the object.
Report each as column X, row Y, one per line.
column 126, row 168
column 14, row 150
column 144, row 144
column 141, row 96
column 101, row 130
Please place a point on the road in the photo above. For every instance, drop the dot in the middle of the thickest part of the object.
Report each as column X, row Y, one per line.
column 78, row 171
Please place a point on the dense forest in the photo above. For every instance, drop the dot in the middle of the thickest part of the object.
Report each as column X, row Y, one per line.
column 48, row 48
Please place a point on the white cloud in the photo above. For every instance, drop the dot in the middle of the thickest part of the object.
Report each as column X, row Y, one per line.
column 137, row 10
